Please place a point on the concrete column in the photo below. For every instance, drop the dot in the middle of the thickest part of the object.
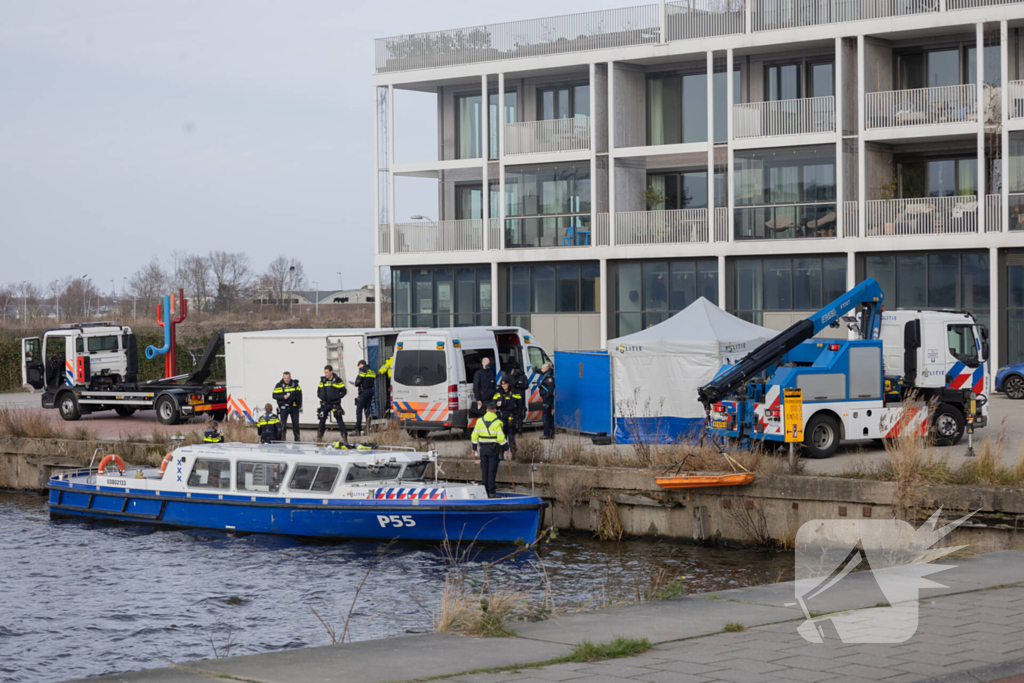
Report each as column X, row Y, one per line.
column 711, row 146
column 376, row 174
column 593, row 159
column 611, row 153
column 603, row 264
column 1004, row 117
column 662, row 23
column 721, row 281
column 995, row 304
column 748, row 11
column 485, row 152
column 377, row 310
column 851, row 281
column 861, row 148
column 730, row 168
column 391, row 164
column 501, row 166
column 495, row 294
column 838, row 115
column 979, row 61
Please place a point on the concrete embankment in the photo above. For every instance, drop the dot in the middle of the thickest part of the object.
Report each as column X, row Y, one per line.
column 768, row 512
column 967, row 629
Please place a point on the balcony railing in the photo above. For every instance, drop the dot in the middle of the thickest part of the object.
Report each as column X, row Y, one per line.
column 921, row 106
column 993, row 213
column 494, row 233
column 602, row 229
column 785, row 221
column 680, row 226
column 687, row 19
column 516, row 39
column 384, row 238
column 464, row 235
column 1015, row 105
column 851, row 219
column 553, row 135
column 971, row 4
column 564, row 230
column 921, row 216
column 721, row 223
column 769, row 15
column 784, row 117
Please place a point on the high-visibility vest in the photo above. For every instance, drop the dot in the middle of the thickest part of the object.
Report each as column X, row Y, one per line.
column 266, row 420
column 213, row 437
column 488, row 429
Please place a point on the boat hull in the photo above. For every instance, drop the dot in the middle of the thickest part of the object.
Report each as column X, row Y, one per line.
column 496, row 520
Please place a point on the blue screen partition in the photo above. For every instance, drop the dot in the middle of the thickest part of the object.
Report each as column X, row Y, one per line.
column 583, row 394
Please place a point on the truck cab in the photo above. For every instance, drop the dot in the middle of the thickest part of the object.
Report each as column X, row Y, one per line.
column 432, row 377
column 84, row 355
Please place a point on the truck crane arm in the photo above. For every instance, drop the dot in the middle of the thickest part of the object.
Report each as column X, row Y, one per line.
column 868, row 293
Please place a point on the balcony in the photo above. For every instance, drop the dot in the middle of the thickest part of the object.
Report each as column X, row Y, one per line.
column 786, row 221
column 784, row 117
column 771, row 15
column 553, row 135
column 464, row 235
column 921, row 216
column 681, row 226
column 688, row 19
column 921, row 107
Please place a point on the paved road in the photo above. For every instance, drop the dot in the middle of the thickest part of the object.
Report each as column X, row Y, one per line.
column 969, row 629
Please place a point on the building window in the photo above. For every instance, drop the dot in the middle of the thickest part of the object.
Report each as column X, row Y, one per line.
column 552, row 288
column 786, row 193
column 933, row 280
column 686, row 190
column 786, row 284
column 1014, row 334
column 547, row 206
column 467, row 126
column 677, row 109
column 648, row 292
column 563, row 102
column 720, row 90
column 951, row 65
column 469, row 202
column 509, row 114
column 441, row 297
column 930, row 177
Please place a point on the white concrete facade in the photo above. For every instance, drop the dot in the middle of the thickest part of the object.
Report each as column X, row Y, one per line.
column 867, row 123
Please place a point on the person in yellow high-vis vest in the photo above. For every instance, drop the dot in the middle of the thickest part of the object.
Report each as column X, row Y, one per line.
column 489, row 441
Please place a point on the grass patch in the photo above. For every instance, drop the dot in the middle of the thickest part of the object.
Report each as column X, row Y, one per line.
column 618, row 648
column 34, row 424
column 673, row 589
column 714, row 596
column 733, row 627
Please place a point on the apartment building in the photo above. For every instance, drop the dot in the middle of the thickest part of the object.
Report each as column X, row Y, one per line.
column 765, row 154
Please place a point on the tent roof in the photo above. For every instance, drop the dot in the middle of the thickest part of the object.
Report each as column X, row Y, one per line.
column 701, row 321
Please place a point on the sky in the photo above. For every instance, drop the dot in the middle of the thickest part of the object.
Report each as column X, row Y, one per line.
column 129, row 128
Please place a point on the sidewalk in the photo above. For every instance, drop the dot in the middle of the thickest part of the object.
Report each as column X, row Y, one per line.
column 971, row 631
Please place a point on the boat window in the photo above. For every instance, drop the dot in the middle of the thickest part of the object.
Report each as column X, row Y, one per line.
column 314, row 478
column 415, row 470
column 260, row 476
column 373, row 472
column 214, row 474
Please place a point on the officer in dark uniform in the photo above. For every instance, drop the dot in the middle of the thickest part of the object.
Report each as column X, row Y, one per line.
column 364, row 384
column 330, row 392
column 211, row 435
column 508, row 402
column 268, row 426
column 521, row 386
column 546, row 385
column 288, row 395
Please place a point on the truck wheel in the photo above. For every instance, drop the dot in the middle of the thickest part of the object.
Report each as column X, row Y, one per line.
column 1013, row 386
column 947, row 426
column 821, row 436
column 68, row 406
column 124, row 411
column 167, row 411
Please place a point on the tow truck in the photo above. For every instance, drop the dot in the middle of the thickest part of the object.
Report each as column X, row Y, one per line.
column 931, row 361
column 84, row 368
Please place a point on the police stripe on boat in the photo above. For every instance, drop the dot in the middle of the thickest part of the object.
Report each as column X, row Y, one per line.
column 411, row 494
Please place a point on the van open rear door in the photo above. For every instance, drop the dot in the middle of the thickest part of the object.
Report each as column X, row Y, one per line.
column 32, row 363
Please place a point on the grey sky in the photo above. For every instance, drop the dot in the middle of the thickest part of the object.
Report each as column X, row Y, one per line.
column 133, row 127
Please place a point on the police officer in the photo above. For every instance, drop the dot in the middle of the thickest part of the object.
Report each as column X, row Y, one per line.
column 483, row 384
column 489, row 440
column 546, row 385
column 268, row 426
column 288, row 395
column 211, row 435
column 330, row 391
column 508, row 402
column 364, row 385
column 521, row 386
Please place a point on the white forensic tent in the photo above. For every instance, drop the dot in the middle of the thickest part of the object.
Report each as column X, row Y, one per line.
column 656, row 372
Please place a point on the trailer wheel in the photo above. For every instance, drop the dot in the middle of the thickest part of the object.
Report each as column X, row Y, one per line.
column 167, row 411
column 68, row 407
column 1013, row 386
column 821, row 436
column 947, row 426
column 124, row 411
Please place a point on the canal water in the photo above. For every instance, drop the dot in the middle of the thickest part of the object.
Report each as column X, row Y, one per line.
column 81, row 598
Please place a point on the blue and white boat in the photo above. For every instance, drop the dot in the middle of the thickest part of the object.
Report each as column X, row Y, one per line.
column 297, row 489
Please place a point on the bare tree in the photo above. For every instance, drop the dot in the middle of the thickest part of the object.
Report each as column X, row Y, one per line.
column 231, row 274
column 193, row 276
column 283, row 275
column 7, row 296
column 148, row 283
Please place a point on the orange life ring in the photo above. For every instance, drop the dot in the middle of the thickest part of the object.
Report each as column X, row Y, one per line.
column 107, row 459
column 167, row 461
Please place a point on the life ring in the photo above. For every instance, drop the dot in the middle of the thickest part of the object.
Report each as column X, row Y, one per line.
column 167, row 461
column 107, row 459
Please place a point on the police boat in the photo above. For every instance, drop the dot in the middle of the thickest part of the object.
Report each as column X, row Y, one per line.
column 296, row 489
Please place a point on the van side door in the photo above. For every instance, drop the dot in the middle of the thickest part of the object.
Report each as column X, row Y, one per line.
column 537, row 358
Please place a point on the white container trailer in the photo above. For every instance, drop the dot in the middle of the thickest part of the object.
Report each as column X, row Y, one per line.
column 254, row 362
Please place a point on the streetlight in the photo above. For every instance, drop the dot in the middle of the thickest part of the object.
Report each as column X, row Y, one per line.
column 317, row 285
column 291, row 294
column 341, row 283
column 85, row 301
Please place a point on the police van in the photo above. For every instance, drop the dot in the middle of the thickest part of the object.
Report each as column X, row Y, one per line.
column 432, row 377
